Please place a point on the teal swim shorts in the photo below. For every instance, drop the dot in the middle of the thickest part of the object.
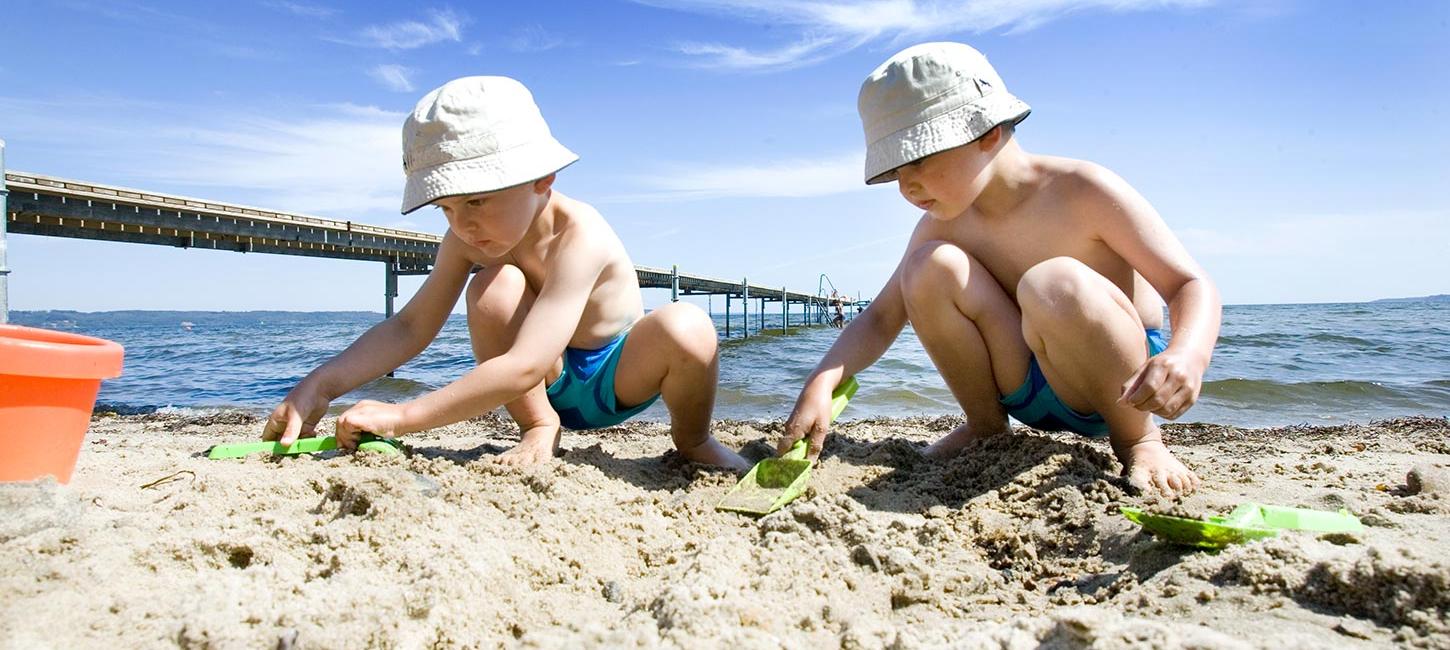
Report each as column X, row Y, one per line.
column 583, row 395
column 1036, row 405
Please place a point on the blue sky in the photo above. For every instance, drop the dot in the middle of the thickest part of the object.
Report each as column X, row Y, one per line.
column 1297, row 147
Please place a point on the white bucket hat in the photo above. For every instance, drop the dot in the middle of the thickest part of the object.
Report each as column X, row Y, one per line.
column 476, row 134
column 928, row 98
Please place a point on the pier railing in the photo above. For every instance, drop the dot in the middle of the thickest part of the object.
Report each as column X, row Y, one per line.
column 37, row 204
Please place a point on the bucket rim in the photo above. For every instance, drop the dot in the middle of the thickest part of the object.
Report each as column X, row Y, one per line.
column 37, row 352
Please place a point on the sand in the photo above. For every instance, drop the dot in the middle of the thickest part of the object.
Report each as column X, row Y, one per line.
column 1015, row 544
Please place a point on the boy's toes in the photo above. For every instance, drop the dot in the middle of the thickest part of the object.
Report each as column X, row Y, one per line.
column 521, row 456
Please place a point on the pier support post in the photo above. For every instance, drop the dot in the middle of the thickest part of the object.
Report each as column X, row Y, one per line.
column 4, row 224
column 784, row 311
column 674, row 283
column 390, row 285
column 745, row 307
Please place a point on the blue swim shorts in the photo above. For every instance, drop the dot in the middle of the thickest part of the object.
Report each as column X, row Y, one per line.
column 1036, row 405
column 583, row 395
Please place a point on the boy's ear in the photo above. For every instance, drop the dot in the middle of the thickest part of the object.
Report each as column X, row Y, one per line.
column 544, row 184
column 991, row 139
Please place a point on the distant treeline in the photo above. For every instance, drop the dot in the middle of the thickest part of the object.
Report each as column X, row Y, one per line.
column 82, row 319
column 1439, row 297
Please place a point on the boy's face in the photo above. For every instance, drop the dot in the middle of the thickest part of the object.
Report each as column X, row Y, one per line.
column 947, row 182
column 495, row 222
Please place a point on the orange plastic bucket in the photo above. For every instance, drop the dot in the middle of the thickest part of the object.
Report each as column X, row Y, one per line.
column 48, row 386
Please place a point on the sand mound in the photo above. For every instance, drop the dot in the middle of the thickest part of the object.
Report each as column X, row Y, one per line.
column 1017, row 543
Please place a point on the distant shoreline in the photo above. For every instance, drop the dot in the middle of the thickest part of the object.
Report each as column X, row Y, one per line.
column 53, row 314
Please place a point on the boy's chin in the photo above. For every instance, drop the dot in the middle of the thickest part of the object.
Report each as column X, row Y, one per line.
column 937, row 213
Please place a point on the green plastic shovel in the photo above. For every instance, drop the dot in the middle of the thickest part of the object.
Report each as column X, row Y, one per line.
column 368, row 442
column 774, row 482
column 1247, row 522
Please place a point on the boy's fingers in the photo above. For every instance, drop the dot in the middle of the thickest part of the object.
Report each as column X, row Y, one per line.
column 1148, row 383
column 344, row 431
column 294, row 427
column 784, row 444
column 793, row 432
column 818, row 441
column 1131, row 386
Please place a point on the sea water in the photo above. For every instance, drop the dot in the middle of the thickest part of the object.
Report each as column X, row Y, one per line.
column 1274, row 364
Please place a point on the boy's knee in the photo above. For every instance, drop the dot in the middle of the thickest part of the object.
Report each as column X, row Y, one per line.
column 689, row 328
column 927, row 268
column 496, row 285
column 1056, row 287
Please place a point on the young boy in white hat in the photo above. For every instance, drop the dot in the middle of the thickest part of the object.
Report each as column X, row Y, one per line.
column 554, row 313
column 1033, row 281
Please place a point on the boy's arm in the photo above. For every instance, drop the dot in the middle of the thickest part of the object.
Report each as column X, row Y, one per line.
column 859, row 345
column 381, row 349
column 1167, row 384
column 573, row 269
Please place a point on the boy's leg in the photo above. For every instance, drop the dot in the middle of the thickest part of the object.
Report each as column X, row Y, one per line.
column 971, row 330
column 673, row 352
column 498, row 299
column 1089, row 339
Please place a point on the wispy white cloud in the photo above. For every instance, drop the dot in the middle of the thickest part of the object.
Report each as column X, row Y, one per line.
column 829, row 28
column 394, row 77
column 442, row 25
column 302, row 9
column 808, row 51
column 796, row 178
column 335, row 160
column 533, row 38
column 339, row 159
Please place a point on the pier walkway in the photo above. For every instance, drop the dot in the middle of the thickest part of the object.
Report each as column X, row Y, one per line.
column 36, row 204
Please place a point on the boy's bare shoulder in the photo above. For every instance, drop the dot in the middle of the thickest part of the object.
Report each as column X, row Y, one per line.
column 1085, row 185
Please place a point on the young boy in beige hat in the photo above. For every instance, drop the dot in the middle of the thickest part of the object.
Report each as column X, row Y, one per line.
column 1033, row 281
column 554, row 310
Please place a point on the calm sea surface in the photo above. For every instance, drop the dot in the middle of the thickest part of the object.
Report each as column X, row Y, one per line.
column 1274, row 365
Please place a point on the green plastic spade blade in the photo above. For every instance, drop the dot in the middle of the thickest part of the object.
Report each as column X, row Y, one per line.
column 774, row 482
column 1319, row 521
column 1196, row 532
column 1247, row 522
column 368, row 442
column 771, row 484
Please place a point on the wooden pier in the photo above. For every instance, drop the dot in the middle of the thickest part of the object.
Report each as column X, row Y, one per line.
column 36, row 204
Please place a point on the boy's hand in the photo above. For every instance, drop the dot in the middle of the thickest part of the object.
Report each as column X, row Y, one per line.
column 380, row 419
column 811, row 418
column 297, row 416
column 1166, row 385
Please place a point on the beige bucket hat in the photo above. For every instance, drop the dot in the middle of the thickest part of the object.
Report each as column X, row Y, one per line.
column 476, row 134
column 927, row 98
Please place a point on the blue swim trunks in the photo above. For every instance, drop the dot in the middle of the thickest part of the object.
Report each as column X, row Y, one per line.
column 1036, row 405
column 583, row 395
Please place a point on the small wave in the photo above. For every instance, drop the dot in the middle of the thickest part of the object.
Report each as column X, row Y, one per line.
column 1254, row 340
column 1353, row 341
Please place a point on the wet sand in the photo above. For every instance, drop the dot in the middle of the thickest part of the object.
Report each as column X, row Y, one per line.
column 1015, row 544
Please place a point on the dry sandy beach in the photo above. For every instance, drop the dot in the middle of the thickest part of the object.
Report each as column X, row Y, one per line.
column 1015, row 544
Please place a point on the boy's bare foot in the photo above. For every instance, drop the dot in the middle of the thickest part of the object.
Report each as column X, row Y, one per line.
column 952, row 443
column 1150, row 467
column 538, row 445
column 711, row 452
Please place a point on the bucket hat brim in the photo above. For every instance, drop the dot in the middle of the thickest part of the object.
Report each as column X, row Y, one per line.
column 953, row 128
column 488, row 173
